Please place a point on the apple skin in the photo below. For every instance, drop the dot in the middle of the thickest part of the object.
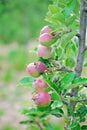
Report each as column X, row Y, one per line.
column 44, row 51
column 47, row 39
column 41, row 67
column 32, row 71
column 45, row 29
column 39, row 85
column 42, row 99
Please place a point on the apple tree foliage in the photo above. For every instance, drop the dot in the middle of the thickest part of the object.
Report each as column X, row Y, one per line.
column 67, row 20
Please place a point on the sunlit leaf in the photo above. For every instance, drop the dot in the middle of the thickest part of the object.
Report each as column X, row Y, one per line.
column 26, row 81
column 68, row 78
column 51, row 85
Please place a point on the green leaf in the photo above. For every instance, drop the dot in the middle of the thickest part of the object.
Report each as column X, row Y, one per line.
column 59, row 52
column 85, row 58
column 54, row 15
column 27, row 122
column 57, row 112
column 70, row 20
column 79, row 81
column 26, row 81
column 77, row 8
column 66, row 38
column 84, row 127
column 70, row 62
column 53, row 9
column 71, row 112
column 49, row 127
column 81, row 112
column 51, row 85
column 68, row 78
column 60, row 3
column 69, row 8
column 24, row 111
column 34, row 112
column 59, row 17
column 71, row 50
column 53, row 53
column 57, row 100
column 55, row 96
column 56, row 104
column 74, row 125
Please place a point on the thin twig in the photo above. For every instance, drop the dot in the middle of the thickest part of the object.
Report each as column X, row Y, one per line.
column 39, row 126
column 54, row 34
column 85, row 48
column 83, row 100
column 61, row 67
column 54, row 62
column 64, row 102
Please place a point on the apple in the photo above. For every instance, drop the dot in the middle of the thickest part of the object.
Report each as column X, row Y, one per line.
column 39, row 85
column 44, row 51
column 42, row 99
column 32, row 71
column 41, row 67
column 45, row 29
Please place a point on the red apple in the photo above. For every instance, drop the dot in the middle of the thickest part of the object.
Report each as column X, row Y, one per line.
column 39, row 85
column 44, row 51
column 45, row 29
column 32, row 71
column 41, row 67
column 45, row 37
column 42, row 99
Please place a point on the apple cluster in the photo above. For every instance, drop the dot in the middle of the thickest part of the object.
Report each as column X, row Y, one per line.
column 46, row 39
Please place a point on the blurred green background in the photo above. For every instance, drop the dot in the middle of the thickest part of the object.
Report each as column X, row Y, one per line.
column 20, row 24
column 21, row 20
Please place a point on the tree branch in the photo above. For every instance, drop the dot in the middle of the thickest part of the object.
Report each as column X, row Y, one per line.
column 80, row 57
column 61, row 67
column 54, row 34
